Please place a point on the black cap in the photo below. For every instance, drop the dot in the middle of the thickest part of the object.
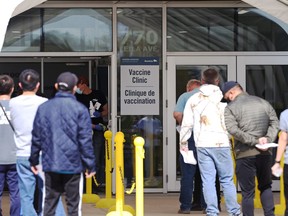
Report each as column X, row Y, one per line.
column 228, row 85
column 66, row 81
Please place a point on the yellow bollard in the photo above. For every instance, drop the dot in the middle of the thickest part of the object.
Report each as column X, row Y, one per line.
column 139, row 156
column 88, row 197
column 280, row 208
column 120, row 208
column 108, row 201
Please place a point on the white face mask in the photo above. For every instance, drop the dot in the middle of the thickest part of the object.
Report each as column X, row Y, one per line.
column 78, row 91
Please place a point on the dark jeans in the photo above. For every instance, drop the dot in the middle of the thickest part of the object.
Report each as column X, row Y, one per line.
column 99, row 152
column 187, row 178
column 8, row 173
column 246, row 170
column 286, row 187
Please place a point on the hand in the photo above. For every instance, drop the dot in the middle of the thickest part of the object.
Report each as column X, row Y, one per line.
column 275, row 167
column 262, row 140
column 277, row 170
column 34, row 170
column 89, row 174
column 97, row 114
column 97, row 127
column 184, row 146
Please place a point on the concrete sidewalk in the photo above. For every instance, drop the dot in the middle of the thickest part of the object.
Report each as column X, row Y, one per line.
column 154, row 205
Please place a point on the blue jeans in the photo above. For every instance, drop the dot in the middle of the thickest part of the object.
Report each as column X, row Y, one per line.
column 187, row 178
column 27, row 183
column 212, row 160
column 8, row 173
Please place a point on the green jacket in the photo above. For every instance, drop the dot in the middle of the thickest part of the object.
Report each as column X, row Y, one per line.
column 247, row 118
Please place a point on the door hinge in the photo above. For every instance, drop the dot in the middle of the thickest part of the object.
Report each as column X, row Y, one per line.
column 166, row 103
column 166, row 65
column 166, row 178
column 166, row 141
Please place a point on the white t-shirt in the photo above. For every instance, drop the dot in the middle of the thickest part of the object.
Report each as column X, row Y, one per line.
column 23, row 110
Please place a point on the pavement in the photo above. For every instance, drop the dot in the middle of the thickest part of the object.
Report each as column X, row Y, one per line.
column 155, row 204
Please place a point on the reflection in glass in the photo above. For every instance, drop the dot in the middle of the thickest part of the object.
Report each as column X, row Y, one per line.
column 140, row 34
column 269, row 82
column 69, row 30
column 224, row 29
column 23, row 33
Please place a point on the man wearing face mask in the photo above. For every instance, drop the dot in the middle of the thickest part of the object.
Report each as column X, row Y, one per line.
column 96, row 103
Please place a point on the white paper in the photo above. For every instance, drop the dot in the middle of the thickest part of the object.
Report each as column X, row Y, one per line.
column 266, row 145
column 189, row 157
column 277, row 172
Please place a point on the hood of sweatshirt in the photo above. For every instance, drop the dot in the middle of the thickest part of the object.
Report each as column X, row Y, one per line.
column 212, row 92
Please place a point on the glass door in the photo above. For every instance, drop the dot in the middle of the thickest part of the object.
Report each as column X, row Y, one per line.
column 266, row 77
column 180, row 70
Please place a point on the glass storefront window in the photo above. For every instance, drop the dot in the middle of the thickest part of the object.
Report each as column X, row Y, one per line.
column 70, row 30
column 269, row 82
column 60, row 30
column 224, row 29
column 140, row 35
column 23, row 33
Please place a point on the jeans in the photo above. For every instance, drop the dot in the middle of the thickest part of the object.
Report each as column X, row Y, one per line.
column 8, row 173
column 212, row 160
column 246, row 170
column 187, row 178
column 27, row 183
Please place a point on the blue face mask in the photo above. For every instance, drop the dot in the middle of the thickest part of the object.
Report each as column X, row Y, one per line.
column 78, row 91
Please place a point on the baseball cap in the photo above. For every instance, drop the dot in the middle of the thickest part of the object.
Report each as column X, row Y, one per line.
column 228, row 85
column 66, row 81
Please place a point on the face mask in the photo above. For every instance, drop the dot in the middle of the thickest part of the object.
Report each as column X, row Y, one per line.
column 78, row 91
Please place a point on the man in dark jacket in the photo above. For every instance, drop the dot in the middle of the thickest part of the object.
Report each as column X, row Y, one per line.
column 62, row 131
column 251, row 120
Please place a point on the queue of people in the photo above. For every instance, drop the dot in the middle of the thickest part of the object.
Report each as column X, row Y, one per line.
column 213, row 115
column 48, row 141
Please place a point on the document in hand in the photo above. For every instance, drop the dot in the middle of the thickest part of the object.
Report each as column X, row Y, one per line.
column 188, row 157
column 266, row 145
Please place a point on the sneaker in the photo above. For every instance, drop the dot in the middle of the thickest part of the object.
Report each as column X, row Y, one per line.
column 180, row 211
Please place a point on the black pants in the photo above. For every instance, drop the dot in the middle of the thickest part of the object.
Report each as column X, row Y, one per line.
column 55, row 185
column 246, row 170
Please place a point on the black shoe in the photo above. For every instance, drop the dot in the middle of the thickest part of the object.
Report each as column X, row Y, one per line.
column 196, row 207
column 180, row 211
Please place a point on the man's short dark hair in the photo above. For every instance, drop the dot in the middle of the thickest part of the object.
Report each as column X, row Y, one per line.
column 29, row 79
column 6, row 84
column 210, row 76
column 83, row 80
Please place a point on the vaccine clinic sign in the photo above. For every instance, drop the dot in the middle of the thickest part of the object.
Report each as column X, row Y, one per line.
column 139, row 86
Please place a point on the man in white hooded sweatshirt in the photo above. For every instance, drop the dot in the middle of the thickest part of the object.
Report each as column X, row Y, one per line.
column 204, row 113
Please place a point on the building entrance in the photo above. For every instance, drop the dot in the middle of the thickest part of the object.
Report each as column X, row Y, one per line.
column 259, row 75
